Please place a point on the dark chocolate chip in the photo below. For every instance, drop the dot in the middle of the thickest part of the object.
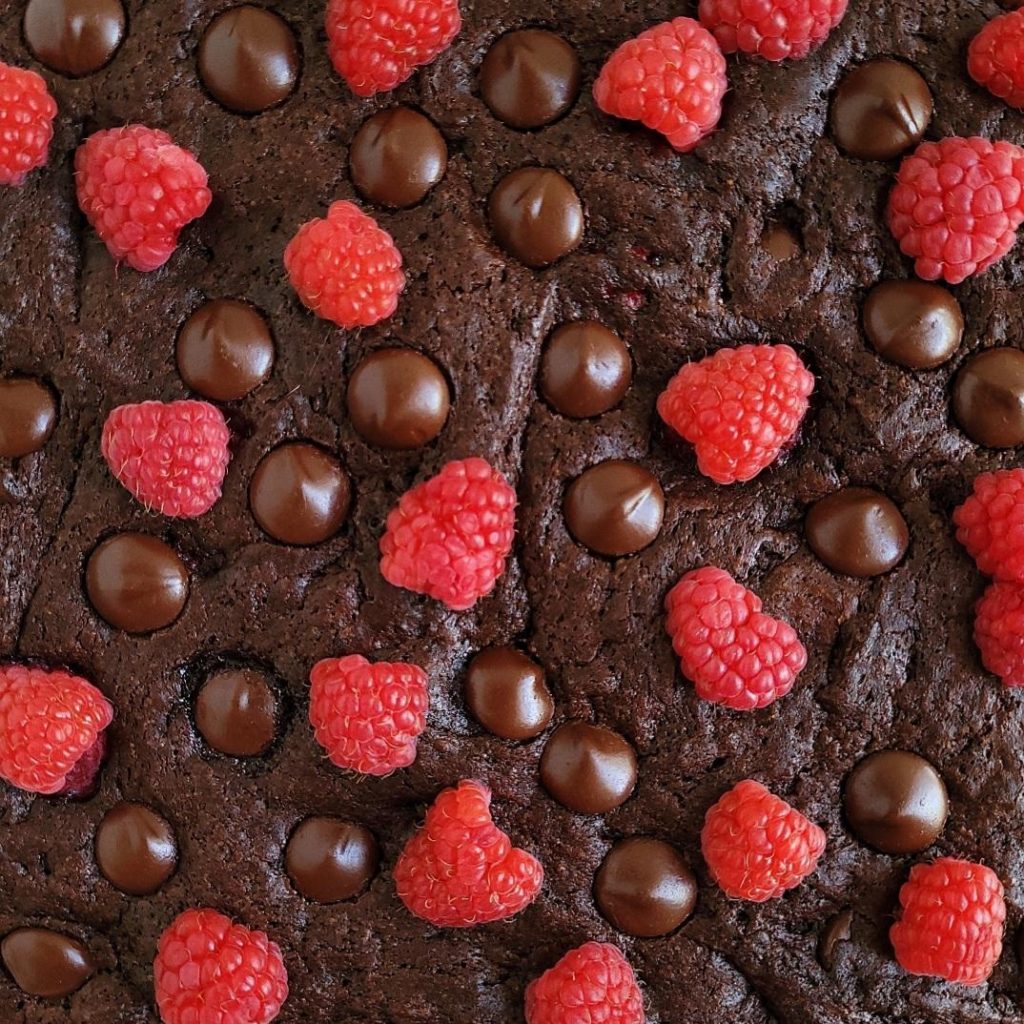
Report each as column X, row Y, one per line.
column 28, row 414
column 536, row 215
column 780, row 243
column 837, row 930
column 74, row 37
column 913, row 323
column 330, row 860
column 507, row 693
column 236, row 712
column 857, row 531
column 46, row 963
column 588, row 768
column 988, row 398
column 135, row 849
column 586, row 370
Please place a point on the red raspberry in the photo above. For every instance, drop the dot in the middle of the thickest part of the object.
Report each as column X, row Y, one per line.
column 756, row 845
column 990, row 524
column 670, row 78
column 773, row 29
column 995, row 58
column 592, row 983
column 956, row 206
column 27, row 111
column 172, row 456
column 739, row 408
column 138, row 190
column 460, row 869
column 209, row 970
column 367, row 717
column 952, row 921
column 375, row 45
column 728, row 648
column 345, row 267
column 49, row 720
column 450, row 535
column 999, row 631
column 83, row 780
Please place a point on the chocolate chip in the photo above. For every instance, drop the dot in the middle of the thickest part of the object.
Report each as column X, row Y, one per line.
column 530, row 78
column 913, row 323
column 507, row 694
column 780, row 243
column 836, row 931
column 586, row 370
column 536, row 215
column 645, row 888
column 588, row 768
column 28, row 414
column 46, row 963
column 136, row 582
column 896, row 802
column 397, row 157
column 988, row 398
column 857, row 531
column 330, row 860
column 236, row 712
column 74, row 37
column 135, row 849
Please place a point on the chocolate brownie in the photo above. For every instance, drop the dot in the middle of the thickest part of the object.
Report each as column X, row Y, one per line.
column 769, row 231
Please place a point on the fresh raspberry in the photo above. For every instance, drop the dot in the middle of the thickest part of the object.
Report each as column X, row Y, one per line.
column 138, row 190
column 367, row 717
column 375, row 45
column 209, row 970
column 172, row 456
column 952, row 920
column 460, row 869
column 995, row 58
column 590, row 984
column 990, row 524
column 728, row 648
column 756, row 845
column 999, row 631
column 670, row 78
column 83, row 780
column 956, row 206
column 739, row 408
column 450, row 535
column 345, row 267
column 49, row 720
column 27, row 111
column 773, row 29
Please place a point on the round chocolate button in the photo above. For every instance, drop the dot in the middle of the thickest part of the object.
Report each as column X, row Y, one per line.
column 236, row 712
column 507, row 693
column 988, row 398
column 615, row 508
column 330, row 860
column 74, row 37
column 46, row 963
column 397, row 157
column 780, row 243
column 588, row 768
column 299, row 494
column 857, row 531
column 896, row 802
column 28, row 414
column 645, row 888
column 536, row 215
column 586, row 370
column 249, row 59
column 881, row 109
column 135, row 849
column 913, row 323
column 530, row 78
column 398, row 398
column 225, row 350
column 136, row 582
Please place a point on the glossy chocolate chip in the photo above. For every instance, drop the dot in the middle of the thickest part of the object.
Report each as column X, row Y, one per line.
column 837, row 930
column 536, row 215
column 615, row 508
column 225, row 350
column 895, row 802
column 236, row 712
column 780, row 243
column 46, row 963
column 507, row 693
column 330, row 860
column 398, row 398
column 299, row 494
column 135, row 849
column 74, row 37
column 881, row 109
column 28, row 414
column 249, row 59
column 588, row 768
column 397, row 157
column 988, row 398
column 645, row 888
column 586, row 370
column 136, row 582
column 913, row 323
column 857, row 531
column 530, row 78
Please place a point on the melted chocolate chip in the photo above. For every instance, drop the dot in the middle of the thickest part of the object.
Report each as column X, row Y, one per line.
column 645, row 888
column 586, row 370
column 588, row 768
column 507, row 693
column 988, row 398
column 74, row 37
column 857, row 531
column 135, row 849
column 28, row 414
column 913, row 323
column 536, row 215
column 330, row 860
column 896, row 802
column 136, row 582
column 397, row 157
column 46, row 963
column 236, row 712
column 833, row 935
column 780, row 243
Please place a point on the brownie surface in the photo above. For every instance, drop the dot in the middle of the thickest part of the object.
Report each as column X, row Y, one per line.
column 671, row 261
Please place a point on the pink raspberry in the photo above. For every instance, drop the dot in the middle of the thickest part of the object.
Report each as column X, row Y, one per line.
column 999, row 631
column 773, row 29
column 990, row 524
column 27, row 111
column 995, row 58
